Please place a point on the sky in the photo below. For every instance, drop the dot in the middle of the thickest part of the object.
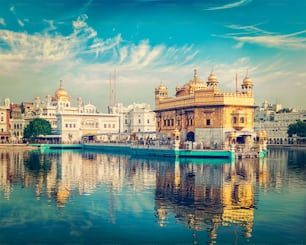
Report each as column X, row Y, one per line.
column 89, row 44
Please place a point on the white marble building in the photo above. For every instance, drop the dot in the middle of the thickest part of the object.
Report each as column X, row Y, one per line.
column 275, row 120
column 4, row 121
column 135, row 118
column 72, row 123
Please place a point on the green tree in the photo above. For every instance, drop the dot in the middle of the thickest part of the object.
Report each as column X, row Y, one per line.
column 298, row 128
column 36, row 127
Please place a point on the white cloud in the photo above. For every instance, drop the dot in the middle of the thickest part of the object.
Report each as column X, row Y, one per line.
column 12, row 9
column 80, row 22
column 285, row 41
column 231, row 5
column 46, row 48
column 23, row 46
column 251, row 29
column 20, row 22
column 155, row 52
column 255, row 35
column 123, row 53
column 40, row 47
column 51, row 26
column 2, row 21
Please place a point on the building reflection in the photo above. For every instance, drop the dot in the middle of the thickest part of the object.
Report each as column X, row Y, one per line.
column 206, row 196
column 201, row 195
column 59, row 175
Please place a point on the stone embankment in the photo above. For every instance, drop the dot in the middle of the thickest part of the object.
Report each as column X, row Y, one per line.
column 17, row 146
column 293, row 146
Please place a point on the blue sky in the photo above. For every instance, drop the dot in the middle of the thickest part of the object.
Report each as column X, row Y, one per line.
column 147, row 42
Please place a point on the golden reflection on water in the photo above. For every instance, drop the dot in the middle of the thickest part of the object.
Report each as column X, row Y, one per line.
column 202, row 196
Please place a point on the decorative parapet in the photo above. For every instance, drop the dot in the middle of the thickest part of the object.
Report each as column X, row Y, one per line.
column 202, row 98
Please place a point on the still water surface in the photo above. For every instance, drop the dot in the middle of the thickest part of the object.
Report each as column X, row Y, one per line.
column 83, row 197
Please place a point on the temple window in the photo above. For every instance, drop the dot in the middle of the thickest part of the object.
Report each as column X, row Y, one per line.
column 208, row 122
column 235, row 120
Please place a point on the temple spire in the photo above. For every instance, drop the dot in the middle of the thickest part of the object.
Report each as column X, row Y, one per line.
column 195, row 73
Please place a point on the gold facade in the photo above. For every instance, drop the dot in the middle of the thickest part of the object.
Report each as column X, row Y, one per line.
column 202, row 107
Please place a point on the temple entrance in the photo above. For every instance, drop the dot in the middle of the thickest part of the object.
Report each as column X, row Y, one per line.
column 246, row 139
column 240, row 140
column 190, row 136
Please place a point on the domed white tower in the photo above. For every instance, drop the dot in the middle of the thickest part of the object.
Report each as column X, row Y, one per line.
column 161, row 91
column 247, row 85
column 61, row 98
column 212, row 81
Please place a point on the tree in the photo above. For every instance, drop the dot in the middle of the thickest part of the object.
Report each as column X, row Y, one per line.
column 298, row 128
column 36, row 127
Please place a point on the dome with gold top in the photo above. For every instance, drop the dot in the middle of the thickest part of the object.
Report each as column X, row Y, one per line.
column 247, row 85
column 61, row 94
column 161, row 87
column 247, row 81
column 212, row 80
column 189, row 88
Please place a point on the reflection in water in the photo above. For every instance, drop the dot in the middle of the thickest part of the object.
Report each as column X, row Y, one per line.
column 203, row 196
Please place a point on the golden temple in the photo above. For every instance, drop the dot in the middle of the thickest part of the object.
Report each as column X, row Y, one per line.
column 203, row 114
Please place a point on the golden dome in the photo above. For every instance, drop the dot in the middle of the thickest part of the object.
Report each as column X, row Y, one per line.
column 247, row 81
column 161, row 87
column 61, row 94
column 212, row 81
column 212, row 78
column 193, row 85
